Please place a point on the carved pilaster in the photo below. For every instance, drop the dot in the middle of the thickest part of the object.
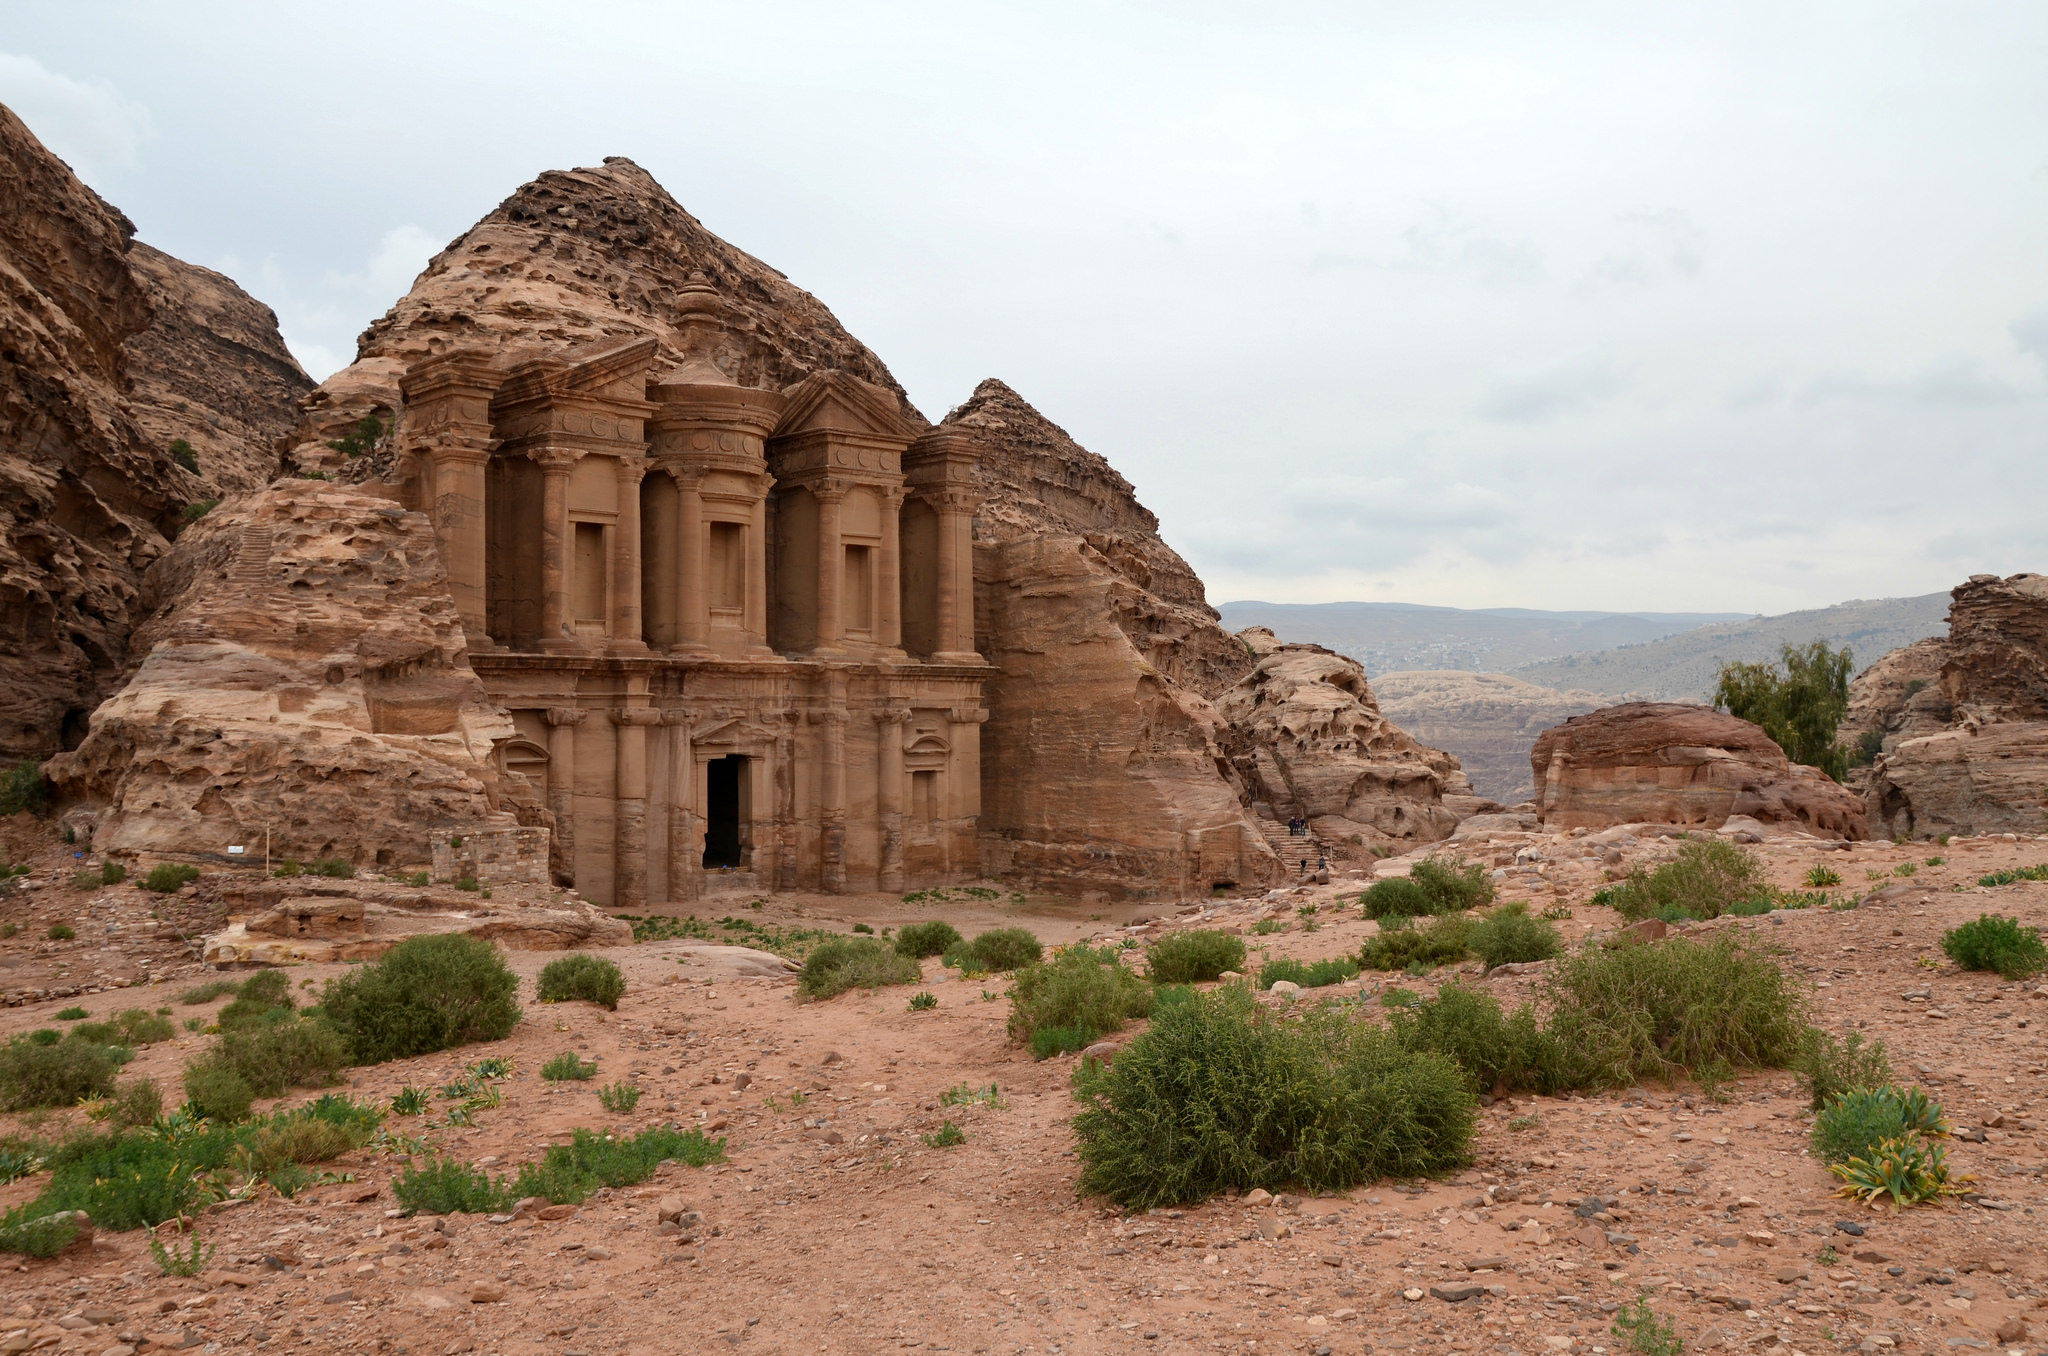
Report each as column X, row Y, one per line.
column 629, row 863
column 685, row 818
column 555, row 463
column 562, row 723
column 889, row 724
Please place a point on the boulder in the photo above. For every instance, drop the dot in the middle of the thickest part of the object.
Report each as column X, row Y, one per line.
column 1686, row 765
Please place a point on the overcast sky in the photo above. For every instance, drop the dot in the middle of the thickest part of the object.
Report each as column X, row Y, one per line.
column 1730, row 306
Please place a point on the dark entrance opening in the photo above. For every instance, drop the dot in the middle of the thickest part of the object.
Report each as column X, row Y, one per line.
column 723, row 783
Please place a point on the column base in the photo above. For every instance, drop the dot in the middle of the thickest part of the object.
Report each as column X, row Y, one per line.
column 627, row 647
column 956, row 657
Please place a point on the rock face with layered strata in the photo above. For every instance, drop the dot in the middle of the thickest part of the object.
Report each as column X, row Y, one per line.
column 1693, row 766
column 89, row 493
column 1307, row 738
column 1967, row 751
column 305, row 674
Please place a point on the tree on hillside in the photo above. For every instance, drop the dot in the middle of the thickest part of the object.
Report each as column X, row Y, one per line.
column 1799, row 705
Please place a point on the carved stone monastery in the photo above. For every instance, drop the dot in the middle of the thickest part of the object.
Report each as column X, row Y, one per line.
column 733, row 627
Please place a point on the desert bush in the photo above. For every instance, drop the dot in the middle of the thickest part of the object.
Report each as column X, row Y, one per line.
column 136, row 1026
column 207, row 992
column 566, row 1067
column 61, row 932
column 339, row 868
column 1395, row 897
column 996, row 950
column 1441, row 941
column 1508, row 936
column 1048, row 1041
column 129, row 1179
column 1678, row 1006
column 22, row 788
column 36, row 1235
column 134, row 1103
column 1194, row 957
column 1708, row 878
column 590, row 979
column 566, row 1174
column 1799, row 707
column 214, row 1090
column 37, row 1073
column 442, row 1186
column 264, row 996
column 1831, row 1068
column 918, row 940
column 1990, row 942
column 426, row 994
column 1820, row 877
column 1911, row 1171
column 168, row 878
column 1082, row 989
column 1312, row 975
column 1854, row 1123
column 299, row 1139
column 1452, row 884
column 1221, row 1095
column 274, row 1056
column 618, row 1098
column 72, row 1014
column 1494, row 1049
column 853, row 963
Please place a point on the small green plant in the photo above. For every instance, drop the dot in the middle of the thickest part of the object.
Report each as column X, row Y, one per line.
column 582, row 977
column 996, row 951
column 1508, row 935
column 361, row 438
column 18, row 1159
column 1937, row 861
column 1645, row 1334
column 22, row 788
column 923, row 1001
column 934, row 938
column 72, row 1014
column 566, row 1174
column 1991, row 942
column 946, row 1136
column 1905, row 869
column 1266, row 927
column 1048, row 1041
column 853, row 963
column 199, row 509
column 217, row 1092
column 168, row 878
column 410, row 1101
column 288, row 869
column 1855, row 1122
column 1194, row 957
column 1452, row 884
column 567, row 1066
column 61, row 932
column 1313, row 975
column 182, row 453
column 337, row 868
column 1493, row 1048
column 967, row 1094
column 9, row 930
column 1556, row 913
column 1442, row 941
column 468, row 885
column 419, row 878
column 618, row 1098
column 427, row 993
column 989, row 995
column 2014, row 874
column 1911, row 1171
column 1832, row 1067
column 864, row 928
column 1524, row 1124
column 1820, row 877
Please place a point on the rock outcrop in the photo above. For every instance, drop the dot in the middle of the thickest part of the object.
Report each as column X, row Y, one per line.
column 1692, row 766
column 1489, row 721
column 1964, row 719
column 89, row 492
column 302, row 921
column 1307, row 738
column 305, row 677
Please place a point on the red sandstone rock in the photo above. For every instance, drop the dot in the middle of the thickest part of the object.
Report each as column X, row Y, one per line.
column 1669, row 763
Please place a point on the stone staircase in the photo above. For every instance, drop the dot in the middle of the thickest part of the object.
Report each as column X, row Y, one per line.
column 1291, row 849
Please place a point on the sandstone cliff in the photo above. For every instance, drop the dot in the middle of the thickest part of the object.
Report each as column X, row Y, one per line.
column 1668, row 763
column 1490, row 721
column 89, row 493
column 304, row 675
column 1964, row 718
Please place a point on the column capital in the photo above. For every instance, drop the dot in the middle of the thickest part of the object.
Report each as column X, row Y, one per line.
column 686, row 474
column 631, row 468
column 892, row 715
column 827, row 717
column 830, row 491
column 554, row 458
column 559, row 716
column 967, row 715
column 635, row 715
column 455, row 449
column 682, row 717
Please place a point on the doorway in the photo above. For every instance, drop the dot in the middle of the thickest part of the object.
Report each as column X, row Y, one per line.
column 725, row 787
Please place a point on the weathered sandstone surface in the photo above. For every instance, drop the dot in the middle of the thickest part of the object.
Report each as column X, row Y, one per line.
column 1489, row 721
column 301, row 921
column 1966, row 750
column 1693, row 766
column 89, row 495
column 304, row 676
column 1307, row 738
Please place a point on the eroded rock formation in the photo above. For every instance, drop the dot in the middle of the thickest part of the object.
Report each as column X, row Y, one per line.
column 304, row 675
column 1693, row 766
column 1308, row 739
column 1964, row 719
column 89, row 493
column 1489, row 721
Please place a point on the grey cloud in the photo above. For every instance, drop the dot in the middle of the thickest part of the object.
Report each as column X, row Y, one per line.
column 1951, row 381
column 2030, row 332
column 1561, row 389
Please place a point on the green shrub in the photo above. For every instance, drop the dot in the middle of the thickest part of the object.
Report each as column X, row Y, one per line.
column 590, row 979
column 43, row 1235
column 1800, row 707
column 168, row 878
column 1854, row 1123
column 853, row 963
column 35, row 1073
column 1194, row 957
column 214, row 1090
column 1221, row 1095
column 996, row 950
column 61, row 932
column 199, row 508
column 1395, row 897
column 22, row 788
column 1495, row 1050
column 264, row 996
column 339, row 868
column 1048, row 1041
column 136, row 1102
column 289, row 868
column 1677, row 1006
column 1990, row 942
column 1831, row 1068
column 924, row 1000
column 1083, row 989
column 567, row 1066
column 1707, row 879
column 947, row 1136
column 362, row 437
column 918, row 940
column 1508, row 936
column 72, row 1014
column 1442, row 941
column 112, row 873
column 443, row 1186
column 427, row 994
column 182, row 453
column 2012, row 874
column 136, row 1026
column 1313, row 975
column 618, row 1098
column 170, row 1261
column 1452, row 884
column 207, row 992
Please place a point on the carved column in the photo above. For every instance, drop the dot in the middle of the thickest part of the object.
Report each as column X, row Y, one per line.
column 630, row 813
column 889, row 607
column 956, row 578
column 628, row 629
column 692, row 556
column 685, row 821
column 962, row 809
column 459, row 526
column 756, row 619
column 889, row 795
column 555, row 631
column 562, row 723
column 832, row 792
column 785, row 802
column 831, row 566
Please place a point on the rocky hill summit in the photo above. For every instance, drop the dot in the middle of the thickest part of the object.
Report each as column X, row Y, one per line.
column 112, row 350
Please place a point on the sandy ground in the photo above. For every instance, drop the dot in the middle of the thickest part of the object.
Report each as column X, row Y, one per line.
column 834, row 1228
